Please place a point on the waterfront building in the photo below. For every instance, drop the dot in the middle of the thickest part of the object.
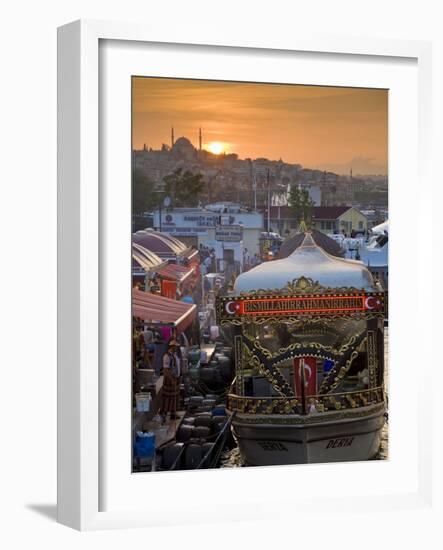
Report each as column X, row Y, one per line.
column 230, row 230
column 327, row 219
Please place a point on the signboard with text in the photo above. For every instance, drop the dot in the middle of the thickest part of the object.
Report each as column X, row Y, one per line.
column 361, row 304
column 229, row 233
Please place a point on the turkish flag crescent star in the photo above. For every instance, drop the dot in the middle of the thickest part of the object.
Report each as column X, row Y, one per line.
column 309, row 364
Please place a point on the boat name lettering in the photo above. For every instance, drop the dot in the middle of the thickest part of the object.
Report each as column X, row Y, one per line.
column 340, row 442
column 272, row 446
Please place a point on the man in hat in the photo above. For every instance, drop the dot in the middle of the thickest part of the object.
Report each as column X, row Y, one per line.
column 171, row 381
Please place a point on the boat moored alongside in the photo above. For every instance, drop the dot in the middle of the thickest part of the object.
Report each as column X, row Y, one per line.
column 308, row 341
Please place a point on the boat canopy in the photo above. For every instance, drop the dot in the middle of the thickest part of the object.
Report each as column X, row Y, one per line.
column 311, row 261
column 158, row 309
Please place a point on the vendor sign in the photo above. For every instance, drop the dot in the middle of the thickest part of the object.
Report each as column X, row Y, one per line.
column 229, row 233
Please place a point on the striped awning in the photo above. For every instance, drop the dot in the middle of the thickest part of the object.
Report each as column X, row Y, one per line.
column 157, row 309
column 175, row 272
column 145, row 259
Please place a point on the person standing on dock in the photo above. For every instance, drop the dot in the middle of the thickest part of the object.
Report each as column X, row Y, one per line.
column 171, row 381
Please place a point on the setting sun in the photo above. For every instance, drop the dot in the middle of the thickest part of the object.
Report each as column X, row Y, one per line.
column 216, row 147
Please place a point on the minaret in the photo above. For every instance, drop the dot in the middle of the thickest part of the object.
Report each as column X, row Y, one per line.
column 199, row 139
column 350, row 186
column 172, row 137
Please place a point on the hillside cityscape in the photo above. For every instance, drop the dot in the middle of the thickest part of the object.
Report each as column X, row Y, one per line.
column 251, row 183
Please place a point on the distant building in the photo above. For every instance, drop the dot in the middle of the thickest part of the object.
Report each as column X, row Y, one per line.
column 282, row 220
column 339, row 219
column 230, row 230
column 281, row 197
column 327, row 219
column 314, row 193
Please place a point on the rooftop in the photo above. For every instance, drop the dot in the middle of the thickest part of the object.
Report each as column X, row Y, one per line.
column 318, row 212
column 291, row 243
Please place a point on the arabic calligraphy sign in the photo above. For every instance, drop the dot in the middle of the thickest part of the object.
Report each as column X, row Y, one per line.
column 246, row 307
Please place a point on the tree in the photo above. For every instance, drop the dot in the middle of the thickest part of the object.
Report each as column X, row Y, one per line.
column 301, row 204
column 144, row 197
column 184, row 188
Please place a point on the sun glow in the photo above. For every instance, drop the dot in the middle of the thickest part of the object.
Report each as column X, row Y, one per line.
column 216, row 147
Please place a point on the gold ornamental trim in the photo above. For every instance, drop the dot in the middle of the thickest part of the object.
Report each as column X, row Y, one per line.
column 294, row 419
column 303, row 285
column 239, row 321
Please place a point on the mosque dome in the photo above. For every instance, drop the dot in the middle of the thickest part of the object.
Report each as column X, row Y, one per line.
column 184, row 148
column 183, row 142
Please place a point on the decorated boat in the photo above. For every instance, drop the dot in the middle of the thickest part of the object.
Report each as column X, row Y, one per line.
column 308, row 340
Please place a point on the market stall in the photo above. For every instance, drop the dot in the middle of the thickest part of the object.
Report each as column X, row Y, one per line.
column 158, row 310
column 176, row 280
column 164, row 319
column 166, row 247
column 145, row 264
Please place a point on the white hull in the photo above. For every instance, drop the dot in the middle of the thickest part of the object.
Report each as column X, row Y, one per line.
column 266, row 440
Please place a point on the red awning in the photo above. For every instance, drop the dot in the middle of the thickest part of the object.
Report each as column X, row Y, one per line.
column 157, row 309
column 175, row 272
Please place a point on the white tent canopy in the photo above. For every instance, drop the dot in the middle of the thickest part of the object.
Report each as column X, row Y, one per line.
column 311, row 261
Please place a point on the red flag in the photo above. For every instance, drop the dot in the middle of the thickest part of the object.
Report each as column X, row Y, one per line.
column 309, row 373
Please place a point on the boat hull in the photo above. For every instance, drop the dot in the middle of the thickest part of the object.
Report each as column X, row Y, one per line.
column 269, row 440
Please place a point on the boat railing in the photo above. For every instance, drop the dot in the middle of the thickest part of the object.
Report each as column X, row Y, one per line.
column 316, row 403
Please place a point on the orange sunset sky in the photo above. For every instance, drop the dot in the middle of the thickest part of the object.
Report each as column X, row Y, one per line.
column 319, row 127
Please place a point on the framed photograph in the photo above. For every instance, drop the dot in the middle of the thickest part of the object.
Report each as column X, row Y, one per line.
column 225, row 215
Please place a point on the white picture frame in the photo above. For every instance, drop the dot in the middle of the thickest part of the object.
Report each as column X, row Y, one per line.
column 83, row 209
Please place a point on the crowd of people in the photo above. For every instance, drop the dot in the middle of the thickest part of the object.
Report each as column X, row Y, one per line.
column 208, row 262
